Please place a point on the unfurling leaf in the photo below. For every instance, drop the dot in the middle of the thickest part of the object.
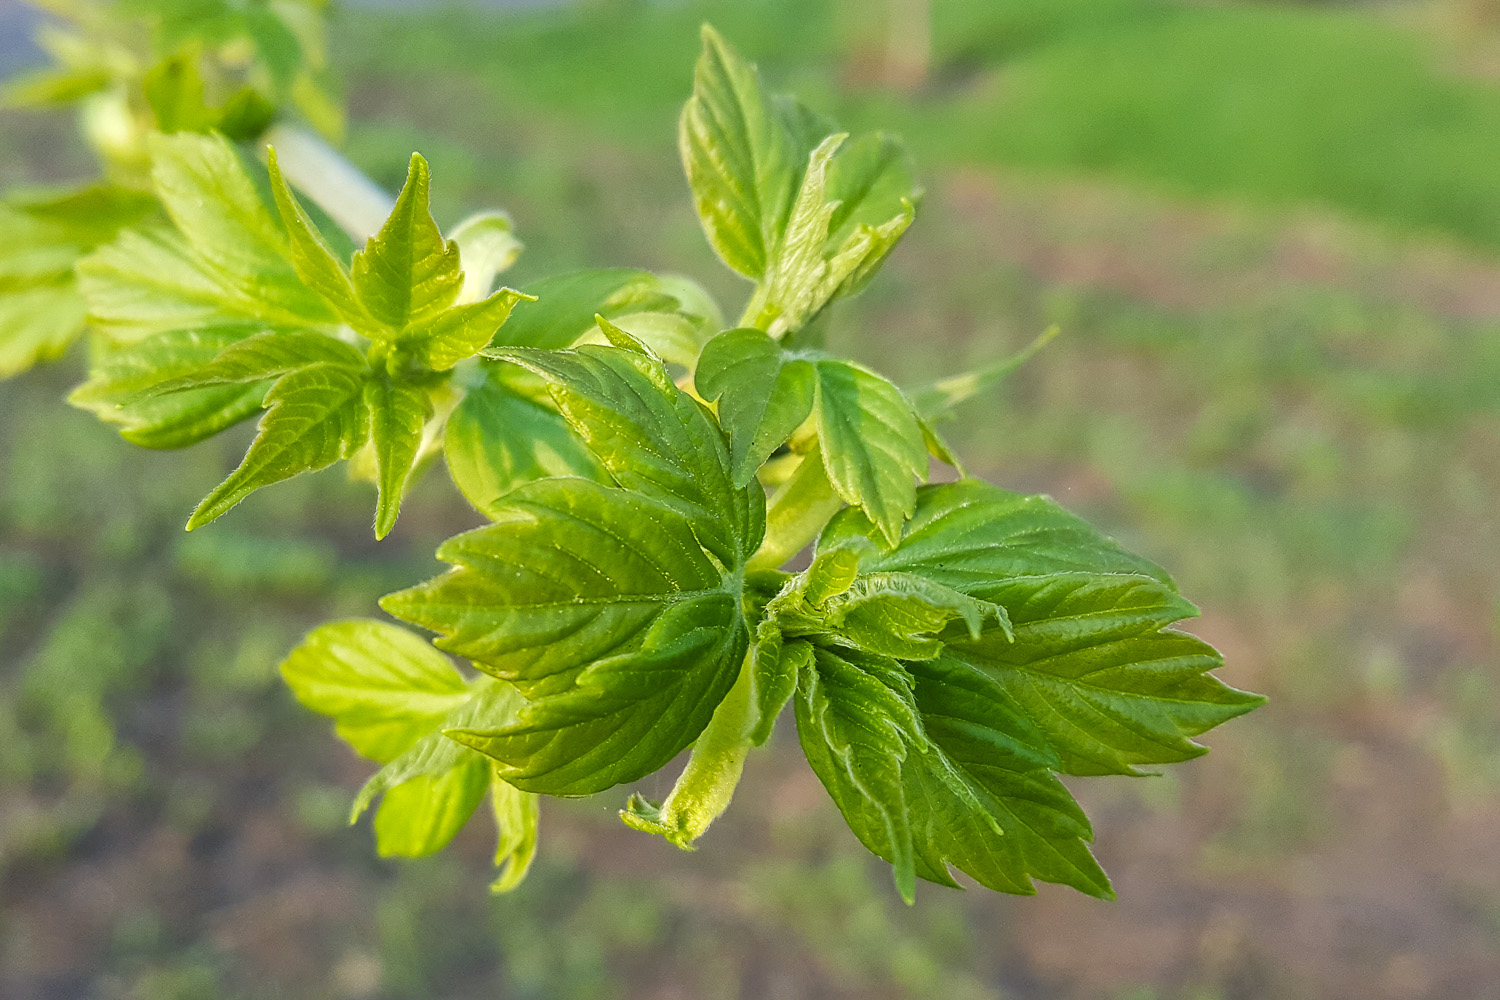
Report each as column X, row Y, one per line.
column 869, row 439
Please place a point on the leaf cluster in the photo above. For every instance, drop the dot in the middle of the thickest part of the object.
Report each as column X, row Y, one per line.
column 647, row 472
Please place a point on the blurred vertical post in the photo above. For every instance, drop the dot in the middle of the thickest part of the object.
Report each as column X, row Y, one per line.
column 908, row 54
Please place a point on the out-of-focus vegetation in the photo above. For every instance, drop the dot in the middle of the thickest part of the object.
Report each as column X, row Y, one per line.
column 1269, row 233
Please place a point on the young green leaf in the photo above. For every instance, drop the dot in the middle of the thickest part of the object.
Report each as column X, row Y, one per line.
column 390, row 695
column 870, row 440
column 315, row 416
column 858, row 723
column 654, row 439
column 1097, row 668
column 260, row 357
column 41, row 312
column 314, row 260
column 507, row 432
column 398, row 414
column 462, row 331
column 516, row 817
column 122, row 380
column 384, row 687
column 407, row 273
column 742, row 161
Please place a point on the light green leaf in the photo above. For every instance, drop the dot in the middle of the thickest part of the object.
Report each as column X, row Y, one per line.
column 507, row 432
column 517, row 814
column 937, row 401
column 902, row 614
column 567, row 304
column 742, row 161
column 603, row 609
column 869, row 182
column 462, row 331
column 420, row 816
column 121, row 380
column 407, row 273
column 764, row 394
column 208, row 194
column 384, row 687
column 264, row 356
column 46, row 233
column 487, row 246
column 673, row 337
column 37, row 324
column 315, row 261
column 398, row 414
column 315, row 416
column 174, row 90
column 655, row 439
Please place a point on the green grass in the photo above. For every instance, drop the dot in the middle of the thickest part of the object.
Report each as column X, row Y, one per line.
column 1266, row 103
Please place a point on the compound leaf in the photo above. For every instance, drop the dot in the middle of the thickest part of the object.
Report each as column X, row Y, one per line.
column 654, row 439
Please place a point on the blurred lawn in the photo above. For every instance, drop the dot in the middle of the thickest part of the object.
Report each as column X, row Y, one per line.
column 1268, row 233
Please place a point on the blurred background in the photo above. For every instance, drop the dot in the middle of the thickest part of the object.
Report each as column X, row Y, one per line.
column 1271, row 235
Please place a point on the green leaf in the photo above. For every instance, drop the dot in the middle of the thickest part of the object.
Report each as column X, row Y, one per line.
column 264, row 356
column 315, row 416
column 208, row 194
column 487, row 246
column 420, row 816
column 398, row 414
column 315, row 261
column 654, row 439
column 46, row 233
column 462, row 331
column 902, row 615
column 1029, row 826
column 938, row 400
column 1095, row 665
column 742, row 161
column 858, row 723
column 604, row 610
column 384, row 687
column 174, row 90
column 507, row 432
column 968, row 535
column 673, row 337
column 764, row 394
column 869, row 181
column 390, row 695
column 37, row 324
column 121, row 380
column 516, row 818
column 567, row 304
column 870, row 440
column 407, row 273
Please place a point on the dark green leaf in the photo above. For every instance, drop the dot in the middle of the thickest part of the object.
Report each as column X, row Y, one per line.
column 764, row 394
column 602, row 607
